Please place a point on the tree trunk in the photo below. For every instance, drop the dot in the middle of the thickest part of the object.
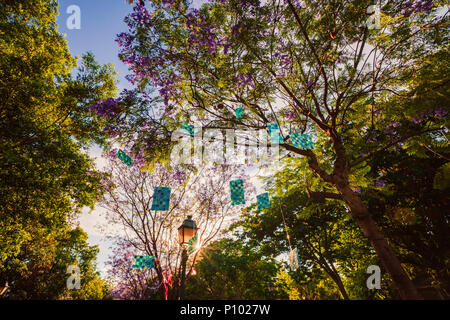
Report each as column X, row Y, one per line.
column 341, row 287
column 359, row 212
column 334, row 275
column 162, row 291
column 184, row 257
column 337, row 279
column 162, row 287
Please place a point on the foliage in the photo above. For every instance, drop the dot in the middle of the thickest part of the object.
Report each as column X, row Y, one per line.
column 230, row 269
column 311, row 66
column 45, row 177
column 39, row 271
column 372, row 191
column 128, row 204
column 414, row 216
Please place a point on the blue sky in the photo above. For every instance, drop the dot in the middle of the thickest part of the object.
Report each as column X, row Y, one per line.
column 101, row 21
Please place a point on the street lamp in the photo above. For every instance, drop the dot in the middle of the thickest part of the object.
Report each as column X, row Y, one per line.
column 186, row 232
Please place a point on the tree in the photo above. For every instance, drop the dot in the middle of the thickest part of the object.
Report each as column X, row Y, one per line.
column 39, row 271
column 231, row 270
column 45, row 178
column 154, row 233
column 127, row 283
column 312, row 67
column 330, row 247
column 413, row 215
column 410, row 211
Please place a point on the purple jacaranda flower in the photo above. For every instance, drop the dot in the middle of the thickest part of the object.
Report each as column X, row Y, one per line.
column 291, row 115
column 380, row 183
column 440, row 113
column 357, row 190
column 130, row 78
column 106, row 108
column 245, row 79
column 124, row 39
column 415, row 120
column 296, row 3
column 112, row 153
column 410, row 7
column 227, row 45
column 141, row 15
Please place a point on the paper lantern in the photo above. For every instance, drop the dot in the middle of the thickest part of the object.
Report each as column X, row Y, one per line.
column 143, row 262
column 263, row 201
column 192, row 242
column 237, row 192
column 302, row 141
column 124, row 158
column 161, row 199
column 189, row 128
column 274, row 133
column 239, row 112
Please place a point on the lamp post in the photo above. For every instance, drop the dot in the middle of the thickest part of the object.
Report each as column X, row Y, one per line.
column 3, row 289
column 186, row 232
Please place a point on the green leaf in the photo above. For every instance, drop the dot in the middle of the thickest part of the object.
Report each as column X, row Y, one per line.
column 441, row 179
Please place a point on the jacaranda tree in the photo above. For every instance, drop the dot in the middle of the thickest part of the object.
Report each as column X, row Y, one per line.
column 323, row 68
column 152, row 232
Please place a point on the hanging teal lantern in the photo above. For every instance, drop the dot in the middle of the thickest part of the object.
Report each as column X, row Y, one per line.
column 122, row 156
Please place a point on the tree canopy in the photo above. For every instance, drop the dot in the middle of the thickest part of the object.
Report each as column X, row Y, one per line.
column 368, row 92
column 311, row 67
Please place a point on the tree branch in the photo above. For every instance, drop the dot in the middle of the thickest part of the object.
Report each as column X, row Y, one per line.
column 322, row 195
